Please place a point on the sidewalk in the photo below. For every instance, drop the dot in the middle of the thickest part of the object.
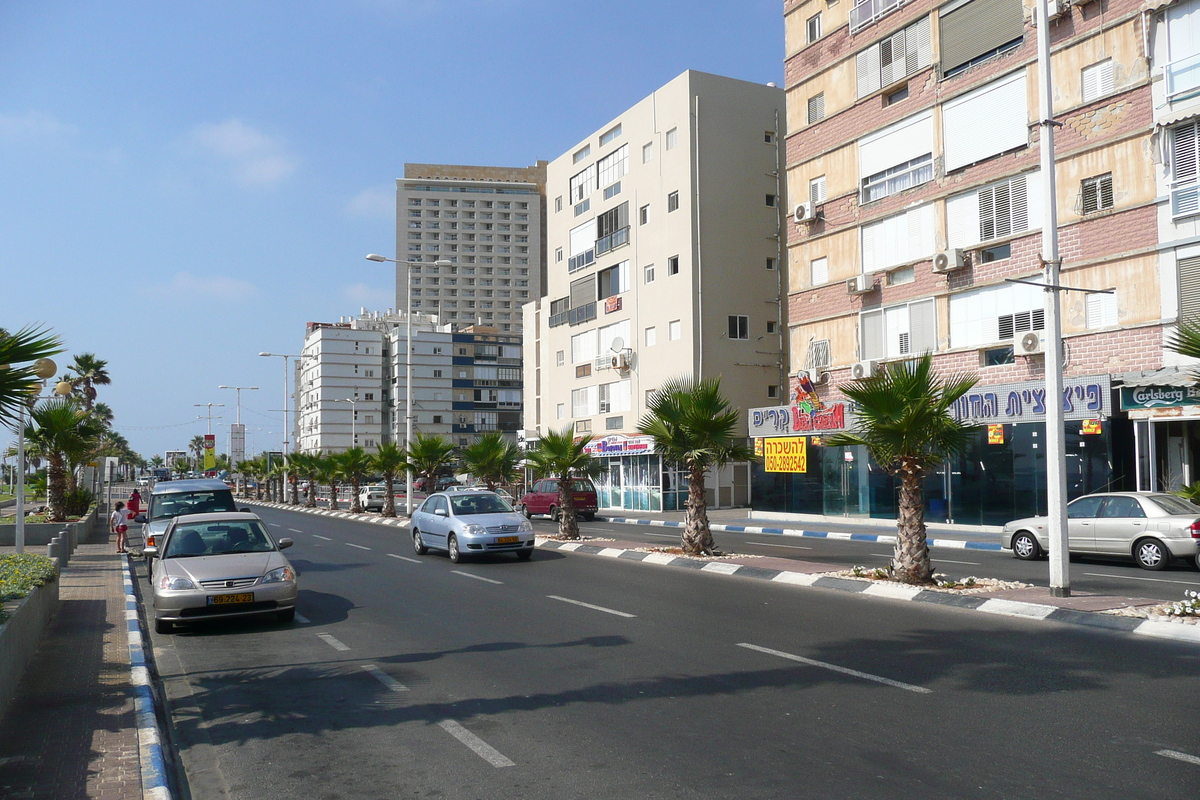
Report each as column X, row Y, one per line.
column 71, row 731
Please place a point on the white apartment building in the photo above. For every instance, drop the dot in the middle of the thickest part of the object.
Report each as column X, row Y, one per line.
column 489, row 224
column 663, row 261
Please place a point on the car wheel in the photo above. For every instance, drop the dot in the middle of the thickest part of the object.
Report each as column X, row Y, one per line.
column 1151, row 554
column 162, row 626
column 524, row 555
column 287, row 615
column 523, row 510
column 419, row 545
column 452, row 549
column 554, row 513
column 1025, row 546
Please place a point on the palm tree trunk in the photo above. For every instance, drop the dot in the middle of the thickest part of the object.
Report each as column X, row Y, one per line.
column 389, row 497
column 333, row 503
column 912, row 551
column 355, row 503
column 697, row 536
column 56, row 488
column 295, row 489
column 311, row 493
column 568, row 521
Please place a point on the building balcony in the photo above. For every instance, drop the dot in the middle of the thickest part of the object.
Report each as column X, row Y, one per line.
column 1182, row 77
column 582, row 314
column 868, row 12
column 612, row 241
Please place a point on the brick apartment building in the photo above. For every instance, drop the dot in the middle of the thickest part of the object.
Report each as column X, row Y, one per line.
column 912, row 160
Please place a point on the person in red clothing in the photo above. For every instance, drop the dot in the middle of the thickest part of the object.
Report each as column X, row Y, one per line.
column 118, row 523
column 135, row 502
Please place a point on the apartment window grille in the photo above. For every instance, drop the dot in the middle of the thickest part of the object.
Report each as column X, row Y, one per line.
column 1096, row 80
column 898, row 178
column 1096, row 194
column 816, row 108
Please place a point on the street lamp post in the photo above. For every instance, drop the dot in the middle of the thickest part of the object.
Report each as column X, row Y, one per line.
column 44, row 369
column 353, row 418
column 232, row 461
column 408, row 398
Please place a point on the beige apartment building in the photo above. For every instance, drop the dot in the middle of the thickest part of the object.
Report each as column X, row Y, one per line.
column 489, row 224
column 663, row 261
column 913, row 161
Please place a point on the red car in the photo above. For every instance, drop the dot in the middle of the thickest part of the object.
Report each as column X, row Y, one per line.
column 543, row 498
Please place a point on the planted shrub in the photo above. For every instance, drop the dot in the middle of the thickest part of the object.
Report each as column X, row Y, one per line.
column 20, row 574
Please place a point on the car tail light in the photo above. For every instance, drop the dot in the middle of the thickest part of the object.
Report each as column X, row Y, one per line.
column 1194, row 529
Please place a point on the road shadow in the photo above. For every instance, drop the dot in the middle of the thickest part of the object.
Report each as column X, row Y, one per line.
column 319, row 608
column 500, row 647
column 303, row 565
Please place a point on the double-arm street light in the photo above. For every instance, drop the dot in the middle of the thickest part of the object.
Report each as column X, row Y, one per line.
column 44, row 369
column 408, row 396
column 353, row 401
column 233, row 462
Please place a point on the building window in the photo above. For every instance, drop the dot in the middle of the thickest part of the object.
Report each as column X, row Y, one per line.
column 770, row 200
column 998, row 356
column 644, row 215
column 770, row 326
column 673, row 265
column 614, row 423
column 1185, row 166
column 773, row 391
column 674, row 330
column 896, row 158
column 898, row 239
column 583, row 371
column 894, row 58
column 583, row 426
column 672, row 202
column 816, row 108
column 978, row 30
column 613, row 280
column 739, row 327
column 648, row 273
column 651, row 336
column 613, row 166
column 1096, row 194
column 991, row 120
column 437, row 373
column 437, row 419
column 647, row 152
column 610, row 135
column 1096, row 81
column 898, row 331
column 558, row 204
column 816, row 190
column 899, row 277
column 813, row 28
column 769, row 137
column 561, row 410
column 1101, row 310
column 896, row 96
column 997, row 253
column 612, row 229
column 993, row 212
column 581, row 154
column 772, row 263
column 672, row 138
column 558, row 254
column 995, row 314
column 560, row 357
column 819, row 268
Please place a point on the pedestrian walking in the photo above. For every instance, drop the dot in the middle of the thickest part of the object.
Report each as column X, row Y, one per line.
column 135, row 502
column 119, row 523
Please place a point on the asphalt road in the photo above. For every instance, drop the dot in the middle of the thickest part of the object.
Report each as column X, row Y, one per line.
column 579, row 677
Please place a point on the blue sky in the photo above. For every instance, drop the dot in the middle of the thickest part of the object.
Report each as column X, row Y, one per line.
column 186, row 184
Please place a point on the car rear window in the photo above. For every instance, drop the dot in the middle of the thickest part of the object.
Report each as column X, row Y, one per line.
column 581, row 485
column 1175, row 505
column 218, row 539
column 167, row 506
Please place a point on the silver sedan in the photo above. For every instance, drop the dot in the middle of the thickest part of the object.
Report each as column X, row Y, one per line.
column 220, row 565
column 470, row 522
column 1150, row 527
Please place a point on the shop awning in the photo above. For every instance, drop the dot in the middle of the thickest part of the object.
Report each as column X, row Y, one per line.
column 1167, row 376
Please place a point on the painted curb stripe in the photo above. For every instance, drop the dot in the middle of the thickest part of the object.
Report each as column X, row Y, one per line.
column 150, row 753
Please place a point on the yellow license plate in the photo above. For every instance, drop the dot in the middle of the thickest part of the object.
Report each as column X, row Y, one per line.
column 223, row 599
column 507, row 539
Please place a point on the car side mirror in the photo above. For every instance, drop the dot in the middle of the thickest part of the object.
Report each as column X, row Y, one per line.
column 441, row 512
column 285, row 543
column 140, row 518
column 245, row 510
column 149, row 550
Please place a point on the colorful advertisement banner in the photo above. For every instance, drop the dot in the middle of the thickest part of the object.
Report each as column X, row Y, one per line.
column 785, row 454
column 995, row 434
column 1093, row 427
column 210, row 451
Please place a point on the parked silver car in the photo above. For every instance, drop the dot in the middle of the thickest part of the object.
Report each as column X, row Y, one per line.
column 220, row 565
column 1150, row 527
column 470, row 522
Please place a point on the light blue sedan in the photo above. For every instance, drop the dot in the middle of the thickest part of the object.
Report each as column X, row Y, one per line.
column 467, row 523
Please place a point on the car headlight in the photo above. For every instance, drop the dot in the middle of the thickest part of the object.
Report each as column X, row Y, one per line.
column 168, row 582
column 525, row 527
column 474, row 530
column 280, row 575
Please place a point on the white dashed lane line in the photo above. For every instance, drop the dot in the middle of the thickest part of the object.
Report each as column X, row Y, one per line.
column 406, row 558
column 319, row 536
column 274, row 524
column 788, row 546
column 387, row 680
column 295, row 530
column 835, row 668
column 477, row 577
column 479, row 746
column 331, row 641
column 359, row 546
column 589, row 605
column 1178, row 756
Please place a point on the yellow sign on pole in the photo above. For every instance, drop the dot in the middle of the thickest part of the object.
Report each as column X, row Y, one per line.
column 210, row 452
column 995, row 434
column 786, row 454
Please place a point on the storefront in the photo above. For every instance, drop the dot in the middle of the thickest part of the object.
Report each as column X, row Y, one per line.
column 1164, row 407
column 1001, row 477
column 635, row 479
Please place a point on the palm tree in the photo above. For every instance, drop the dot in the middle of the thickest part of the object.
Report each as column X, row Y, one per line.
column 89, row 372
column 493, row 459
column 329, row 471
column 18, row 351
column 196, row 448
column 1185, row 340
column 181, row 466
column 903, row 420
column 102, row 412
column 63, row 432
column 305, row 467
column 428, row 455
column 560, row 456
column 388, row 460
column 156, row 461
column 355, row 464
column 693, row 424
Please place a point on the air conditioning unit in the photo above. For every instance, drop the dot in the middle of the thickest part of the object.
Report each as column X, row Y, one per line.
column 620, row 360
column 1057, row 8
column 817, row 376
column 863, row 369
column 1030, row 344
column 860, row 284
column 602, row 362
column 948, row 261
column 805, row 212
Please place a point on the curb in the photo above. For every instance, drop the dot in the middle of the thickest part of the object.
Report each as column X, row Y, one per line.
column 953, row 544
column 394, row 522
column 153, row 763
column 987, row 605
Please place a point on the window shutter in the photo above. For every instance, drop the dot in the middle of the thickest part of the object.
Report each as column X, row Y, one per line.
column 904, row 141
column 1018, row 204
column 987, row 214
column 986, row 122
column 922, row 326
column 1101, row 310
column 1096, row 80
column 1184, row 157
column 816, row 108
column 868, row 70
column 892, row 59
column 870, row 256
column 871, row 330
column 918, row 53
column 583, row 291
column 972, row 29
column 1189, row 289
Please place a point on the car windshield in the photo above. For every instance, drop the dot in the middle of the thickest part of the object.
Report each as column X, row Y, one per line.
column 579, row 485
column 1175, row 505
column 167, row 506
column 218, row 539
column 479, row 504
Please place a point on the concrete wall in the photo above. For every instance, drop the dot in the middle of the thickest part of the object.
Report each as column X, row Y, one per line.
column 20, row 635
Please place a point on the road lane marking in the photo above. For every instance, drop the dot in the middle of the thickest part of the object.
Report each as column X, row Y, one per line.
column 773, row 544
column 932, row 557
column 331, row 641
column 835, row 668
column 479, row 746
column 406, row 558
column 274, row 524
column 1136, row 578
column 359, row 546
column 589, row 605
column 381, row 676
column 303, row 620
column 295, row 530
column 476, row 577
column 1178, row 756
column 319, row 536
